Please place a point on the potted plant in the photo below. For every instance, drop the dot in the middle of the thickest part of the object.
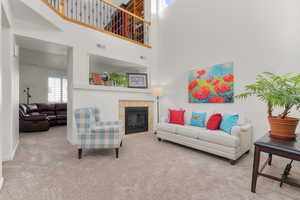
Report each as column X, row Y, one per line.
column 278, row 92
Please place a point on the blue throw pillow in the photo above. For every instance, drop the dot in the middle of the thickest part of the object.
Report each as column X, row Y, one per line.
column 228, row 121
column 198, row 119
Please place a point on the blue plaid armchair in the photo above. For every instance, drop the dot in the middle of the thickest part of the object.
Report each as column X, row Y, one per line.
column 96, row 134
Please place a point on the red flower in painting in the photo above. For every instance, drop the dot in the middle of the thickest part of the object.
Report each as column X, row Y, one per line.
column 209, row 80
column 228, row 78
column 192, row 85
column 215, row 82
column 222, row 88
column 200, row 73
column 216, row 100
column 202, row 93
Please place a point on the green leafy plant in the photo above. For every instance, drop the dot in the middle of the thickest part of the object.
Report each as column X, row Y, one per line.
column 277, row 91
column 120, row 79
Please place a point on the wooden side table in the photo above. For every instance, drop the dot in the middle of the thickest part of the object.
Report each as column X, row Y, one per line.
column 272, row 146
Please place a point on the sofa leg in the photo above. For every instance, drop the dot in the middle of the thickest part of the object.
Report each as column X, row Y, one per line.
column 232, row 162
column 117, row 152
column 159, row 139
column 79, row 154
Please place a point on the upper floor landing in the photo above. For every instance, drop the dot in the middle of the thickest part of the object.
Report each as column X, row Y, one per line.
column 125, row 19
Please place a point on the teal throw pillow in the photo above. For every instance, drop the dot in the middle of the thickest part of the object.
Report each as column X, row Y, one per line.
column 198, row 119
column 228, row 122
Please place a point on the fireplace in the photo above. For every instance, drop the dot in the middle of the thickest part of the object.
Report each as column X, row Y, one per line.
column 136, row 119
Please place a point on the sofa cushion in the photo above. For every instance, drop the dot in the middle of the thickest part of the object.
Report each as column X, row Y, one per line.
column 61, row 112
column 61, row 117
column 176, row 116
column 242, row 119
column 32, row 108
column 51, row 117
column 228, row 121
column 189, row 131
column 46, row 107
column 61, row 107
column 166, row 127
column 198, row 119
column 219, row 137
column 214, row 122
column 48, row 112
column 23, row 109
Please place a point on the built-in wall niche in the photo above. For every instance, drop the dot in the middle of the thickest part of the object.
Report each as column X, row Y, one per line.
column 109, row 72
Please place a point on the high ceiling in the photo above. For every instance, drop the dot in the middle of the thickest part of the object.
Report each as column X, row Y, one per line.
column 23, row 13
column 42, row 54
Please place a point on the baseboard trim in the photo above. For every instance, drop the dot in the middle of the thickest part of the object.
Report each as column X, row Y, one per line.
column 12, row 156
column 1, row 182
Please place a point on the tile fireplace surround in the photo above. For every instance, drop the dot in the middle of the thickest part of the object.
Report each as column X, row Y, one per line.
column 137, row 103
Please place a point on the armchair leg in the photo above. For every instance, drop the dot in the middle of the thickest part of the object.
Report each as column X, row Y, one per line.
column 79, row 154
column 117, row 152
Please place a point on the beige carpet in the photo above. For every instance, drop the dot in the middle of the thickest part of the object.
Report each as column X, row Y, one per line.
column 46, row 167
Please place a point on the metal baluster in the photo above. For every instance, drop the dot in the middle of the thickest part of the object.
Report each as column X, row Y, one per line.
column 104, row 15
column 74, row 9
column 91, row 13
column 94, row 13
column 97, row 13
column 101, row 15
column 80, row 10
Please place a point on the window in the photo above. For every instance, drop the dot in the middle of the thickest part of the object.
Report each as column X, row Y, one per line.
column 164, row 3
column 57, row 90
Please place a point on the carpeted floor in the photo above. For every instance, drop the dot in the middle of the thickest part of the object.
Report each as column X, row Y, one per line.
column 46, row 167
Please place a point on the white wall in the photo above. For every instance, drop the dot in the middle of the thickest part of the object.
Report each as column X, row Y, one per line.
column 257, row 35
column 1, row 98
column 10, row 87
column 31, row 75
column 84, row 43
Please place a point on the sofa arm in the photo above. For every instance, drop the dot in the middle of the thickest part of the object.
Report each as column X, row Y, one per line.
column 239, row 129
column 164, row 119
column 244, row 133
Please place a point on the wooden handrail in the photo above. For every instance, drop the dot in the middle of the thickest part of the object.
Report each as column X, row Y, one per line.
column 126, row 11
column 60, row 10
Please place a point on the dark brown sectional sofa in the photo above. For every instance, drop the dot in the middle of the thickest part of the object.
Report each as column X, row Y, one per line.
column 40, row 117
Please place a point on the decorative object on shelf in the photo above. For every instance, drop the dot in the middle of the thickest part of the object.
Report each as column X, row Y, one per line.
column 106, row 79
column 27, row 94
column 119, row 79
column 137, row 80
column 95, row 79
column 158, row 92
column 213, row 84
column 282, row 92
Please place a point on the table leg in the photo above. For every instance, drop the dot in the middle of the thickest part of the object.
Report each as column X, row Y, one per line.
column 270, row 159
column 255, row 169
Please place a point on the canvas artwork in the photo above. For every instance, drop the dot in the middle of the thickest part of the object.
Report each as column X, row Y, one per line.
column 214, row 84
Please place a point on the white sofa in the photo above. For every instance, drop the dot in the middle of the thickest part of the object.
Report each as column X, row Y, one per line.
column 215, row 142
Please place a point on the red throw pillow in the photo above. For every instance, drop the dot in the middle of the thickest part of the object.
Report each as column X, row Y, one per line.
column 176, row 116
column 214, row 122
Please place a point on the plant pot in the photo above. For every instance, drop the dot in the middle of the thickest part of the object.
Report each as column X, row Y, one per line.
column 283, row 128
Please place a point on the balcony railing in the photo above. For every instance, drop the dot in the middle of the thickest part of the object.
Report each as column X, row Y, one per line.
column 103, row 16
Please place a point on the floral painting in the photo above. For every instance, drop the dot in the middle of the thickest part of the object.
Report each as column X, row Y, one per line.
column 213, row 84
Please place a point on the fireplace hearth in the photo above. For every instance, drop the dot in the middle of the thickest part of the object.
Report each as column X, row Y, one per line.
column 136, row 119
